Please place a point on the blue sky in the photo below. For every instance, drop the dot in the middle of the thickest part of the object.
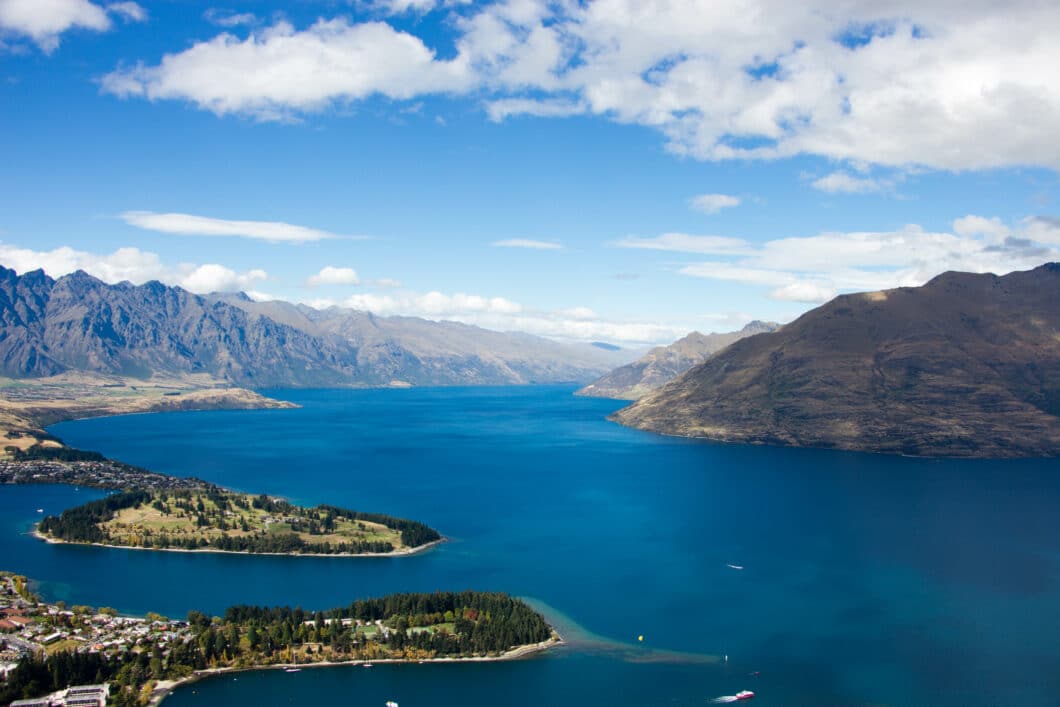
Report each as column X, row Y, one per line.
column 603, row 170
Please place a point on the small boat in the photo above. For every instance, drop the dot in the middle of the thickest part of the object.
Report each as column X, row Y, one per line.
column 40, row 510
column 366, row 665
column 735, row 567
column 738, row 697
column 391, row 703
column 292, row 670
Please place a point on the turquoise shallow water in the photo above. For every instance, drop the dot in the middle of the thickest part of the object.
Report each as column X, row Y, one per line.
column 867, row 580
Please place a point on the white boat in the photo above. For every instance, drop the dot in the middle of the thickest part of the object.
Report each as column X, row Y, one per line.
column 292, row 670
column 735, row 567
column 40, row 510
column 391, row 703
column 738, row 697
column 367, row 665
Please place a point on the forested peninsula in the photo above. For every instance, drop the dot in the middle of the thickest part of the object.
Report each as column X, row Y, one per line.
column 214, row 519
column 143, row 659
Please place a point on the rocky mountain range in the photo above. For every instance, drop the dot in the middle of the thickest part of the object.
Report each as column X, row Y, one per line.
column 664, row 363
column 967, row 365
column 77, row 322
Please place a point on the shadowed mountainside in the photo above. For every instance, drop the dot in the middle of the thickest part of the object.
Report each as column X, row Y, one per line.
column 664, row 363
column 967, row 365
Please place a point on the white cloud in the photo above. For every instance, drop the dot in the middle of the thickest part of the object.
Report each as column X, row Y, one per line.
column 845, row 183
column 713, row 203
column 735, row 273
column 815, row 268
column 217, row 278
column 804, row 292
column 330, row 275
column 503, row 108
column 132, row 264
column 978, row 226
column 579, row 313
column 191, row 225
column 43, row 21
column 432, row 304
column 947, row 85
column 1042, row 229
column 128, row 11
column 684, row 243
column 279, row 72
column 527, row 243
column 400, row 7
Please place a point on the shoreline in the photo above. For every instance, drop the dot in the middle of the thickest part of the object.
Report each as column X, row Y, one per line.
column 164, row 688
column 404, row 552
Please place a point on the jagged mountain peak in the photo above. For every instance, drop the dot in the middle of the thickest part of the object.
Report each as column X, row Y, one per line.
column 80, row 322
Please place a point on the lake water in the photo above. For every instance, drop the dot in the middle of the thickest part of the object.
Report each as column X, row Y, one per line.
column 867, row 579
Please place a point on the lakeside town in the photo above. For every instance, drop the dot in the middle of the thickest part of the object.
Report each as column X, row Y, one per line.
column 99, row 473
column 34, row 631
column 50, row 651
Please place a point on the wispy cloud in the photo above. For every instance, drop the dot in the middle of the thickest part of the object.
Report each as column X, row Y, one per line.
column 845, row 183
column 128, row 11
column 192, row 225
column 814, row 269
column 527, row 243
column 685, row 243
column 713, row 203
column 229, row 18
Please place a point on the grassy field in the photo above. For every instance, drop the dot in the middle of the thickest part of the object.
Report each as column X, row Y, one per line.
column 198, row 515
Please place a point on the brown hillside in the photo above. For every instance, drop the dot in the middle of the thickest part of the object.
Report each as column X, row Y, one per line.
column 967, row 365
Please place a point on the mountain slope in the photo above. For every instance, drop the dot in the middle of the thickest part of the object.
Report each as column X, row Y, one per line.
column 664, row 363
column 967, row 365
column 80, row 323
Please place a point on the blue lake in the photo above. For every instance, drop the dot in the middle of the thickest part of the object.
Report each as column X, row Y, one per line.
column 866, row 580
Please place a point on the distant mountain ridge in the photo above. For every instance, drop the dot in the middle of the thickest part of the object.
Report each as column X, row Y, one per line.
column 664, row 363
column 77, row 322
column 967, row 365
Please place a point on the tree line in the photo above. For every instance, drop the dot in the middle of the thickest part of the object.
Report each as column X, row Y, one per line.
column 82, row 524
column 410, row 626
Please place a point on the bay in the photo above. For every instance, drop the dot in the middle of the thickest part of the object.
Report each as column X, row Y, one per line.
column 866, row 579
